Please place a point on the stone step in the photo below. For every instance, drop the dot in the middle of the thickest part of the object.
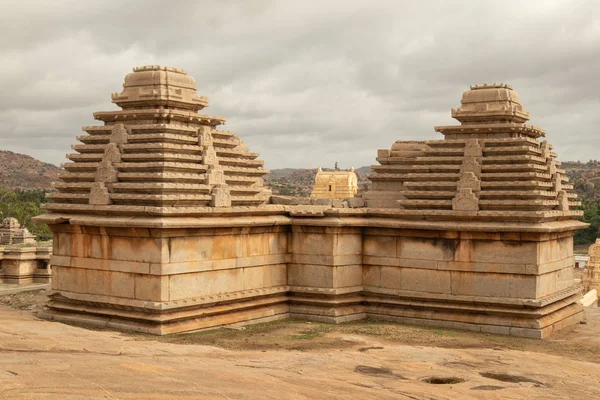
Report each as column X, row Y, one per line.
column 419, row 160
column 246, row 201
column 240, row 180
column 445, row 151
column 514, row 176
column 234, row 170
column 158, row 115
column 80, row 167
column 77, row 176
column 163, row 200
column 94, row 139
column 240, row 162
column 414, row 177
column 517, row 194
column 141, row 157
column 506, row 150
column 77, row 198
column 173, row 177
column 144, row 128
column 217, row 133
column 526, row 184
column 513, row 159
column 429, row 194
column 173, row 157
column 89, row 148
column 226, row 143
column 522, row 205
column 529, row 167
column 398, row 169
column 236, row 154
column 162, row 147
column 160, row 188
column 72, row 187
column 426, row 204
column 244, row 190
column 160, row 167
column 170, row 138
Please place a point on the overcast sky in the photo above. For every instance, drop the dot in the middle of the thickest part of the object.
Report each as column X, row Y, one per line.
column 305, row 83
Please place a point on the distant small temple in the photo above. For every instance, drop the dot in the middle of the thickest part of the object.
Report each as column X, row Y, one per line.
column 22, row 260
column 12, row 233
column 336, row 184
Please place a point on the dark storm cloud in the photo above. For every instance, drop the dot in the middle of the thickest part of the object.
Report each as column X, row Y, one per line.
column 303, row 83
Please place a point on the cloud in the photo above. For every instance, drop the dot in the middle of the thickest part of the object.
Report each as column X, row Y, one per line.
column 303, row 83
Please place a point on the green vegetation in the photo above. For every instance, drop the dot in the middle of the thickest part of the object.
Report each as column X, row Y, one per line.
column 24, row 204
column 591, row 215
column 585, row 177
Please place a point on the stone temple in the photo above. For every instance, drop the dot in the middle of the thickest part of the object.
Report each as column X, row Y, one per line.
column 22, row 260
column 162, row 224
column 336, row 184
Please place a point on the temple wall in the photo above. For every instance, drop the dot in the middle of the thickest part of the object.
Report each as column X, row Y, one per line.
column 309, row 270
column 168, row 265
column 467, row 264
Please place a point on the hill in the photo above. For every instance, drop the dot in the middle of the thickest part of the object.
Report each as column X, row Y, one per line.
column 19, row 171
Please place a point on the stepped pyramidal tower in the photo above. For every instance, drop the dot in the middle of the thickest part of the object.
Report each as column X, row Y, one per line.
column 158, row 155
column 492, row 166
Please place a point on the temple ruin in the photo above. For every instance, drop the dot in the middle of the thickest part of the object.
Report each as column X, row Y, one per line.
column 336, row 184
column 12, row 233
column 162, row 224
column 591, row 279
column 22, row 260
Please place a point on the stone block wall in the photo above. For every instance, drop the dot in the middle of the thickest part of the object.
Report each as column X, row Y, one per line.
column 325, row 273
column 165, row 280
column 188, row 270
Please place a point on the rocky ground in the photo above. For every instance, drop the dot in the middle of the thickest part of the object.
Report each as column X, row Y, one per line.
column 290, row 360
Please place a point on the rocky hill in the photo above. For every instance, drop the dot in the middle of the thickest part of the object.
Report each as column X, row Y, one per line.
column 19, row 171
column 585, row 176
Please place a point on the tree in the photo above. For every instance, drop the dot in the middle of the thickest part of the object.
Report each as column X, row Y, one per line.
column 24, row 205
column 591, row 215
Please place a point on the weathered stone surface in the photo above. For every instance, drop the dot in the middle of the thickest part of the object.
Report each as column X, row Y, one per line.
column 465, row 200
column 99, row 195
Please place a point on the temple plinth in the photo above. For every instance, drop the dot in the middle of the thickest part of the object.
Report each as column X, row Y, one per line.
column 162, row 224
